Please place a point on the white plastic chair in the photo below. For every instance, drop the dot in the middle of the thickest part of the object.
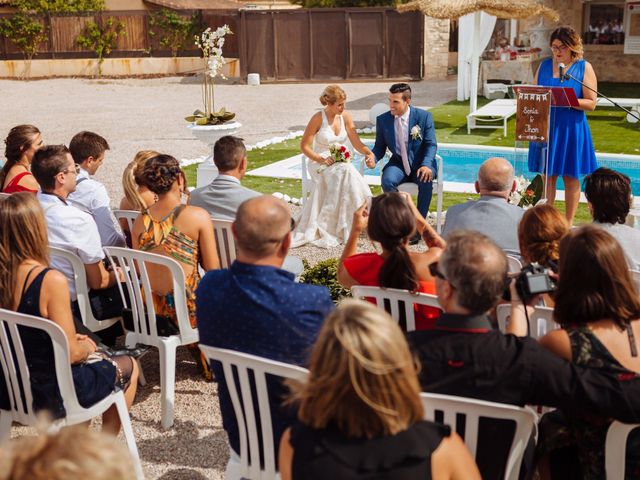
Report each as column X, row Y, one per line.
column 15, row 369
column 473, row 410
column 134, row 263
column 396, row 301
column 82, row 290
column 225, row 243
column 615, row 449
column 515, row 265
column 248, row 463
column 4, row 195
column 128, row 215
column 541, row 320
column 412, row 189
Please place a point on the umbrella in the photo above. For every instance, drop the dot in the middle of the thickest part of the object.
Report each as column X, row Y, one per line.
column 444, row 9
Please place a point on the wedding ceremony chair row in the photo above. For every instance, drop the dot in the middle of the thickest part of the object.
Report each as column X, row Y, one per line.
column 15, row 368
column 396, row 302
column 237, row 367
column 144, row 326
column 4, row 195
column 82, row 290
column 540, row 321
column 615, row 449
column 454, row 409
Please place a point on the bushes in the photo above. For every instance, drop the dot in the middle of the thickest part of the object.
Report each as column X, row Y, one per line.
column 325, row 273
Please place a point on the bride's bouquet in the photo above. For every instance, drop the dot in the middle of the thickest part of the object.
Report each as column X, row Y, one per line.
column 339, row 153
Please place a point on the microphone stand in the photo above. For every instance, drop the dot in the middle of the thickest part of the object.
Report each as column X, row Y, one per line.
column 567, row 75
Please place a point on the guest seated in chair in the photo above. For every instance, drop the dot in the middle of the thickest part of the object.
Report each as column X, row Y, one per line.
column 393, row 220
column 609, row 198
column 136, row 195
column 21, row 144
column 88, row 150
column 255, row 306
column 464, row 356
column 598, row 307
column 29, row 286
column 491, row 214
column 182, row 232
column 359, row 411
column 75, row 230
column 539, row 233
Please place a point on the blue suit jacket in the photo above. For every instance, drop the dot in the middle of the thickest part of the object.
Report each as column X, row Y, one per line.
column 421, row 152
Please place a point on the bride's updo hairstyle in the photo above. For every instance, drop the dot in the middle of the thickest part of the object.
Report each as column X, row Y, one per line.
column 391, row 224
column 160, row 173
column 332, row 94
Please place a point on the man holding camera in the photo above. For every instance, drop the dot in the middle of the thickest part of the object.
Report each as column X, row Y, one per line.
column 465, row 356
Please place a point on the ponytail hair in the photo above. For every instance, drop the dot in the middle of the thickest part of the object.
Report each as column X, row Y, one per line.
column 392, row 223
column 131, row 179
column 19, row 139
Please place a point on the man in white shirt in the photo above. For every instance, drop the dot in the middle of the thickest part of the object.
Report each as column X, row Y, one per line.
column 88, row 151
column 222, row 197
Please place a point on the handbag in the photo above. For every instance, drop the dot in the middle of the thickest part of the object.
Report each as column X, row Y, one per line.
column 164, row 323
column 106, row 303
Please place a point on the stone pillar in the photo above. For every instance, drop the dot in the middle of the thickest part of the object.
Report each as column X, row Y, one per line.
column 436, row 48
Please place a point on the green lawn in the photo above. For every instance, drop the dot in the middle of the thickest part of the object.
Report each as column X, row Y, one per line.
column 609, row 129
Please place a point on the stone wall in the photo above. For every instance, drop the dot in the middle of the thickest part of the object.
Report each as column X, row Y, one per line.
column 436, row 48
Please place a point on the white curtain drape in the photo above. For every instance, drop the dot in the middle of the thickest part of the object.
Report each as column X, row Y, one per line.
column 471, row 43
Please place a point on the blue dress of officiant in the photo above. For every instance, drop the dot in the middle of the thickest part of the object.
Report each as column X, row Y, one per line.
column 571, row 153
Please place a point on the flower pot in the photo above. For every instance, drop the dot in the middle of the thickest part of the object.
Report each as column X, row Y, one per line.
column 209, row 135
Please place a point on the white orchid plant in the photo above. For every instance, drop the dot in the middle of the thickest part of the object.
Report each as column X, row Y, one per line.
column 210, row 42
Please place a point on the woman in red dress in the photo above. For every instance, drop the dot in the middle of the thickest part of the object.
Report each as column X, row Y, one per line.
column 21, row 144
column 392, row 222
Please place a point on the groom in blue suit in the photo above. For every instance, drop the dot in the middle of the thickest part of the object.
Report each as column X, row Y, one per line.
column 410, row 135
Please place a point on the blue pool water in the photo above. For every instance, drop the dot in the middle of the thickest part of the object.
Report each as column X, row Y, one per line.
column 461, row 163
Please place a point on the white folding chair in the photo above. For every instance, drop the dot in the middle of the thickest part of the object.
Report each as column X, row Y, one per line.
column 412, row 189
column 15, row 368
column 248, row 463
column 398, row 303
column 515, row 265
column 134, row 264
column 615, row 449
column 541, row 320
column 225, row 243
column 82, row 290
column 473, row 410
column 128, row 215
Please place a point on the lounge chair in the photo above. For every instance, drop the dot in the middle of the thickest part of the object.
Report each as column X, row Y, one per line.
column 495, row 111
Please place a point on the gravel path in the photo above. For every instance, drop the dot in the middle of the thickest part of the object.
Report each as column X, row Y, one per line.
column 135, row 114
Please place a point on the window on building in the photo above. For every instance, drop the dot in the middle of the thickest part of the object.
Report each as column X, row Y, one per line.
column 604, row 22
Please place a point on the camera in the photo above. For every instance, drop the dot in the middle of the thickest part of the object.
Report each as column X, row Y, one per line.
column 532, row 280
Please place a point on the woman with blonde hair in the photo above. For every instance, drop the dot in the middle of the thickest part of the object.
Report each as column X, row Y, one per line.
column 325, row 220
column 359, row 410
column 28, row 286
column 137, row 196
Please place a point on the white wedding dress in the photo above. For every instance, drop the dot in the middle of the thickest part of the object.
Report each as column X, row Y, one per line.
column 325, row 220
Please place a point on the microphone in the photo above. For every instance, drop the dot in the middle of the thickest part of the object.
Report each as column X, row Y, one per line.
column 561, row 68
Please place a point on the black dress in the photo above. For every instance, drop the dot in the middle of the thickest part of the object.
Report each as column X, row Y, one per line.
column 93, row 381
column 328, row 454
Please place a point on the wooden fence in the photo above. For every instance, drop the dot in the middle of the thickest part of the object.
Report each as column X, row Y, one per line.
column 280, row 45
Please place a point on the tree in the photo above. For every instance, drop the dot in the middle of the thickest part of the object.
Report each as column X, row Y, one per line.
column 174, row 30
column 101, row 39
column 25, row 32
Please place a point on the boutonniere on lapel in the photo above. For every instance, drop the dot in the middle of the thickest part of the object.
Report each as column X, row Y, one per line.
column 415, row 133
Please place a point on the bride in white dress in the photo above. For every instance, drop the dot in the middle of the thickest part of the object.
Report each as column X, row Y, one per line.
column 325, row 220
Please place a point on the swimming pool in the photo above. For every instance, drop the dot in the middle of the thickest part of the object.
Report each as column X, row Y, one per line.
column 461, row 163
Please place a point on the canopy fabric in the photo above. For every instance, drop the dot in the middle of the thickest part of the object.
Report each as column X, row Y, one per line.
column 450, row 9
column 471, row 44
